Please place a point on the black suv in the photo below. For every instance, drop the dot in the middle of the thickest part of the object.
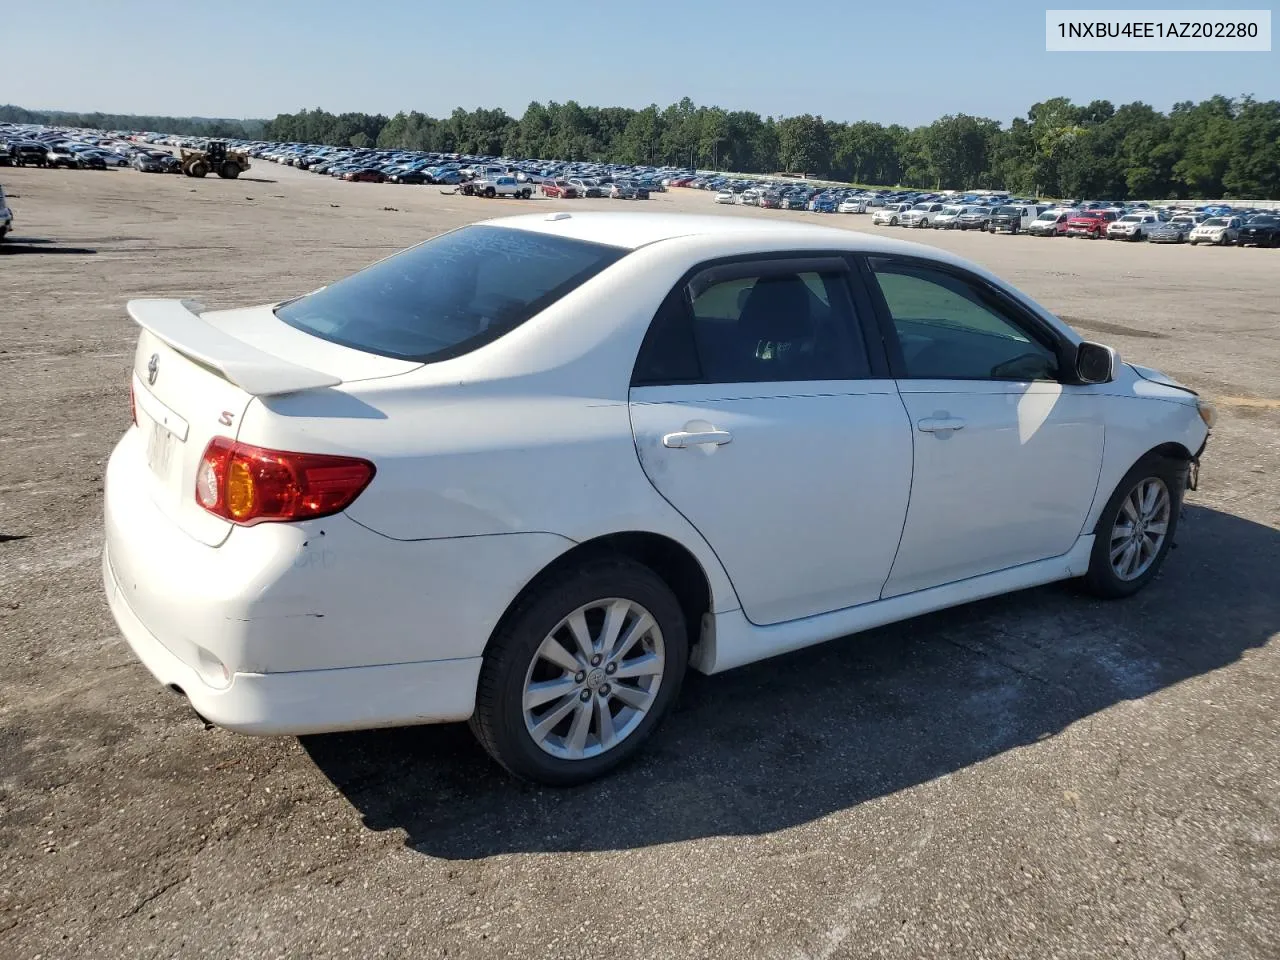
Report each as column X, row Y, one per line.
column 24, row 153
column 1262, row 230
column 1007, row 219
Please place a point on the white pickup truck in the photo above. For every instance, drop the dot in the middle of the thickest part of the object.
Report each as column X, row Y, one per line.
column 504, row 186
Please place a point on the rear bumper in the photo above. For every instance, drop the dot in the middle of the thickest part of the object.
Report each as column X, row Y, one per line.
column 307, row 627
column 305, row 701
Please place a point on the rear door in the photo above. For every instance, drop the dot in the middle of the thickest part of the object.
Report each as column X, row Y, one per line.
column 764, row 414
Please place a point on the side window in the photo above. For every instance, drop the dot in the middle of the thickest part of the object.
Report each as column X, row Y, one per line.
column 950, row 329
column 753, row 329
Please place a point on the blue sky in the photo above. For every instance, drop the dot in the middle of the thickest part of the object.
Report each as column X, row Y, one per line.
column 905, row 62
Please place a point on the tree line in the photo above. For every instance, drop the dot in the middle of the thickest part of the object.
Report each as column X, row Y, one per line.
column 181, row 126
column 1219, row 147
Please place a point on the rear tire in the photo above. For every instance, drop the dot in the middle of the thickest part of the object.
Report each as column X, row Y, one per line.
column 579, row 706
column 1131, row 543
column 490, row 192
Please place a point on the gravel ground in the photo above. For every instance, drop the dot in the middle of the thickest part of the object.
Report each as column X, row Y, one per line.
column 1039, row 775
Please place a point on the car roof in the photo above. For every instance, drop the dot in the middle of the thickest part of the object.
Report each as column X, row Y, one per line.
column 634, row 230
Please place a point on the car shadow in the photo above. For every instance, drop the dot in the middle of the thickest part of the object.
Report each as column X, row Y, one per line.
column 19, row 245
column 780, row 743
column 243, row 179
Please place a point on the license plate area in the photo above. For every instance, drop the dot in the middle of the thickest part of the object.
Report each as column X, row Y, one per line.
column 160, row 446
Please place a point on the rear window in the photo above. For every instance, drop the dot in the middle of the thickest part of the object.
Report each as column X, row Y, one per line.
column 1009, row 212
column 450, row 295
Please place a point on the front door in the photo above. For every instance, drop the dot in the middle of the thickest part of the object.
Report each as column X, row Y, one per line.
column 1007, row 456
column 757, row 415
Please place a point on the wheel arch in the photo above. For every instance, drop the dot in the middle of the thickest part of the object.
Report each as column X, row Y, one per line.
column 671, row 560
column 1170, row 450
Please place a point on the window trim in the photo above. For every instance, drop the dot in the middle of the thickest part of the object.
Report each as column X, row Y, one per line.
column 776, row 262
column 1010, row 310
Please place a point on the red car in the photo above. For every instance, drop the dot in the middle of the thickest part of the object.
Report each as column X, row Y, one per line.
column 368, row 175
column 559, row 188
column 1090, row 223
column 681, row 182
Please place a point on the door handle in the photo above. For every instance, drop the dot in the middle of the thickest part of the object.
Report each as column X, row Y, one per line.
column 940, row 424
column 696, row 438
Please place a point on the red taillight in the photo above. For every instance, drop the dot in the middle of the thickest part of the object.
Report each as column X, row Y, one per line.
column 247, row 484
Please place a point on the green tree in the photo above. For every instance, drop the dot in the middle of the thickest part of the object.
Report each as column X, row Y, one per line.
column 804, row 145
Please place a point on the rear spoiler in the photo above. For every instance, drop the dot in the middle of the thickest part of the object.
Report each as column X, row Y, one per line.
column 178, row 323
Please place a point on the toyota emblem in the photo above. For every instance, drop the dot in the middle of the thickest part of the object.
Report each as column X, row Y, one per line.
column 153, row 368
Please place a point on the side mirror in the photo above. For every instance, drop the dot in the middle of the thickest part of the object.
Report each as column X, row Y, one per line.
column 1095, row 363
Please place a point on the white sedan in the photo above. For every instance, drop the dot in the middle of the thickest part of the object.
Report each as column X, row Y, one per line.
column 726, row 196
column 528, row 472
column 852, row 205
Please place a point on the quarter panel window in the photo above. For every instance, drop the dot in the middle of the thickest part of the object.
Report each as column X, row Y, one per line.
column 950, row 329
column 772, row 327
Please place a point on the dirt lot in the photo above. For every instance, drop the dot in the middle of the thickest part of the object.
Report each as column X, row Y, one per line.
column 1037, row 776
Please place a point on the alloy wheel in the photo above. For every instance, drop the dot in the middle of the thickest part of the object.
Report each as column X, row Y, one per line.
column 593, row 679
column 1141, row 525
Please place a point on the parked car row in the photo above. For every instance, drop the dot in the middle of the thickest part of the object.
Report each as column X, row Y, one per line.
column 1096, row 220
column 29, row 146
column 986, row 210
column 471, row 173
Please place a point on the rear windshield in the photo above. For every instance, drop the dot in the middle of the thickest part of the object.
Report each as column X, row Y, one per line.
column 1009, row 212
column 450, row 295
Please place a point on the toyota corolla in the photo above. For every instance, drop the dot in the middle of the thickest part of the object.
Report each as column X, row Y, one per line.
column 528, row 472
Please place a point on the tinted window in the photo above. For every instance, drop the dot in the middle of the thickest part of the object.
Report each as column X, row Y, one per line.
column 753, row 329
column 449, row 295
column 951, row 329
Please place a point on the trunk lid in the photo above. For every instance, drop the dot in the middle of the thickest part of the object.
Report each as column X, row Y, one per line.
column 194, row 375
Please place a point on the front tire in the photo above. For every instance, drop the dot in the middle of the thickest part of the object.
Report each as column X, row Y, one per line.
column 580, row 672
column 1136, row 528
